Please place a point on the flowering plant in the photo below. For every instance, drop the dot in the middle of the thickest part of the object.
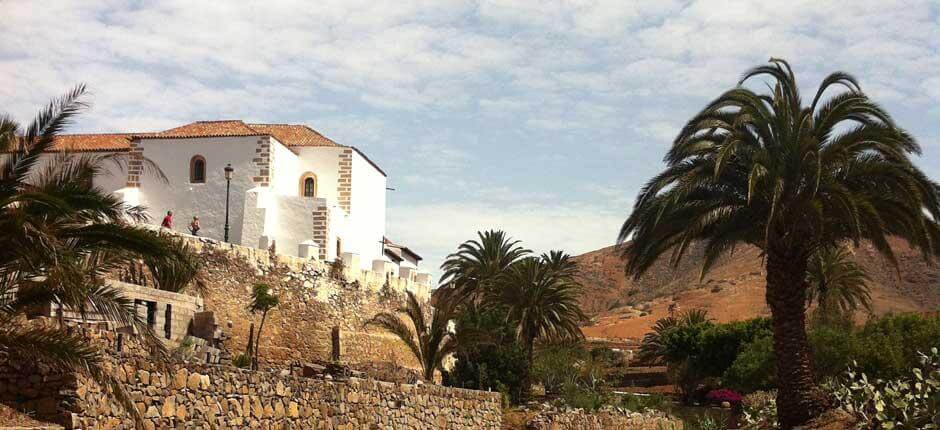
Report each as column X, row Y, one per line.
column 723, row 395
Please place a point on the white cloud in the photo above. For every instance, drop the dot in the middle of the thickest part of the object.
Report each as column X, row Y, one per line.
column 484, row 113
column 436, row 230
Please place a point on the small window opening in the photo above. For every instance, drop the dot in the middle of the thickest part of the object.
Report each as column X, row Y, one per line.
column 168, row 321
column 197, row 169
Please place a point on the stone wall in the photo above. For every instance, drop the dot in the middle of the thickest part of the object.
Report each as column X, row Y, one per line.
column 312, row 301
column 187, row 395
column 578, row 419
column 196, row 396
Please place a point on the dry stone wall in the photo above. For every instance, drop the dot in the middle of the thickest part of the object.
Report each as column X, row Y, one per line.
column 198, row 396
column 312, row 301
column 578, row 419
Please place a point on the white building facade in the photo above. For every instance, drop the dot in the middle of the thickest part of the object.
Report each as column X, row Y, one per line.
column 290, row 187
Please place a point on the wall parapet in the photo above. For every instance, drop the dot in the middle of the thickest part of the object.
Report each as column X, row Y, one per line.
column 365, row 278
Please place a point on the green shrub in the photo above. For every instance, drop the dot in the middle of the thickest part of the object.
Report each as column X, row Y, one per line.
column 722, row 343
column 759, row 410
column 884, row 348
column 488, row 357
column 910, row 402
column 639, row 403
column 556, row 366
column 242, row 361
column 577, row 396
column 754, row 368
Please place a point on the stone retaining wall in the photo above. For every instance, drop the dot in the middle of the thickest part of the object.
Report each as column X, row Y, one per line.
column 603, row 420
column 198, row 396
column 312, row 301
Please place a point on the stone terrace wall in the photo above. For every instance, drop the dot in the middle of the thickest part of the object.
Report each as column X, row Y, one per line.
column 196, row 396
column 602, row 420
column 311, row 303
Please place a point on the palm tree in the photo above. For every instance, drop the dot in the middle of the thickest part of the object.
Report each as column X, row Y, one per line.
column 261, row 301
column 470, row 271
column 837, row 284
column 430, row 344
column 540, row 295
column 652, row 348
column 765, row 170
column 62, row 237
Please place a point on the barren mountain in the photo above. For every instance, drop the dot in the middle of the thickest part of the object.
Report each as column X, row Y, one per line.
column 624, row 308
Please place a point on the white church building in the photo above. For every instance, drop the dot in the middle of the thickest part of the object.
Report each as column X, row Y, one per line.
column 289, row 186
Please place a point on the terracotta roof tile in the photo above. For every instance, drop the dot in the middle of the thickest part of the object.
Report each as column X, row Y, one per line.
column 92, row 142
column 294, row 134
column 291, row 135
column 224, row 128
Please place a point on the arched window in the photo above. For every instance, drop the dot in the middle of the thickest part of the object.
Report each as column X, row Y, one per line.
column 308, row 185
column 197, row 169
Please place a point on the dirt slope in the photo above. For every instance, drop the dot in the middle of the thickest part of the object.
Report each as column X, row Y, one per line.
column 734, row 289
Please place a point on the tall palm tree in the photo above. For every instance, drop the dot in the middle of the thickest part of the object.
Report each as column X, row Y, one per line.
column 471, row 270
column 62, row 236
column 765, row 170
column 430, row 343
column 540, row 295
column 838, row 285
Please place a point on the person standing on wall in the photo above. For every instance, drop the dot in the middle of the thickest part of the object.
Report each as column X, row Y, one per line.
column 167, row 220
column 194, row 226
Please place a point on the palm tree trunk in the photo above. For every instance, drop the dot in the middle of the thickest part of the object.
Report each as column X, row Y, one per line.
column 799, row 399
column 254, row 362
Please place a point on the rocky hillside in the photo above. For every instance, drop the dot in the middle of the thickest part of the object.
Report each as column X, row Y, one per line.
column 734, row 289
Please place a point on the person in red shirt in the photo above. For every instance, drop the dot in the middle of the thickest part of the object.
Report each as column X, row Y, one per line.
column 167, row 220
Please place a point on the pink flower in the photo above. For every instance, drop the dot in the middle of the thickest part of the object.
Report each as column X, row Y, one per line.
column 723, row 395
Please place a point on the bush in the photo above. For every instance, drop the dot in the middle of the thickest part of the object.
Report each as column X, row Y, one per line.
column 585, row 398
column 639, row 403
column 723, row 395
column 488, row 357
column 759, row 410
column 242, row 361
column 754, row 368
column 884, row 348
column 555, row 367
column 910, row 402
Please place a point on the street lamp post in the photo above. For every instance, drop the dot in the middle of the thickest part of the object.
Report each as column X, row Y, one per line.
column 228, row 186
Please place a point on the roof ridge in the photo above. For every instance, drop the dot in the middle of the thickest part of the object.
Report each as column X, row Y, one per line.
column 216, row 120
column 112, row 133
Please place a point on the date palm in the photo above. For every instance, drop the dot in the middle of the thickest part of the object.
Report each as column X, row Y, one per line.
column 61, row 237
column 652, row 348
column 471, row 271
column 836, row 283
column 789, row 178
column 430, row 343
column 540, row 295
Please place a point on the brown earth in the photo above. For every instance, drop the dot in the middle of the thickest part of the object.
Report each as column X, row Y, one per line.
column 623, row 308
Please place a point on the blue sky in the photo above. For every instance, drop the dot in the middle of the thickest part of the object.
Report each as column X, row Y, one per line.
column 541, row 118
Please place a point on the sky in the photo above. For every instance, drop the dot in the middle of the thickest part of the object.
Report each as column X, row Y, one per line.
column 539, row 118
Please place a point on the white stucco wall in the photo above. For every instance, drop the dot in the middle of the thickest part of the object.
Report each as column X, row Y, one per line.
column 367, row 210
column 323, row 162
column 207, row 200
column 285, row 172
